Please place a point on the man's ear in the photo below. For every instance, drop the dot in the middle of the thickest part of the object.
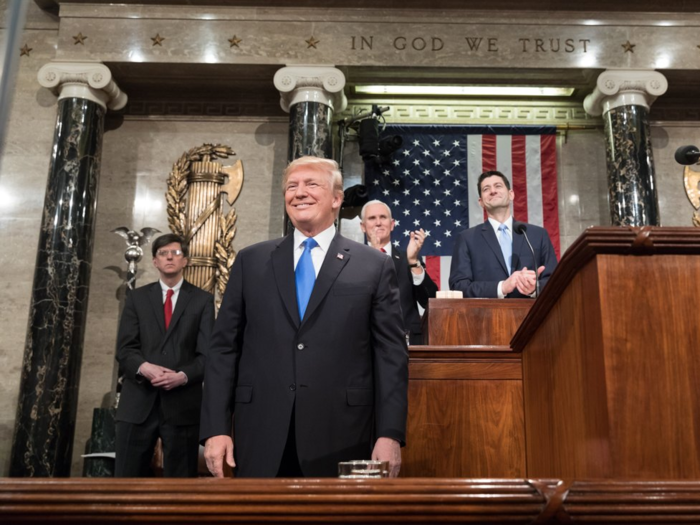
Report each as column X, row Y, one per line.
column 481, row 203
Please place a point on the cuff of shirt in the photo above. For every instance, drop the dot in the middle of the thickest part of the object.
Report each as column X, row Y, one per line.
column 499, row 290
column 419, row 277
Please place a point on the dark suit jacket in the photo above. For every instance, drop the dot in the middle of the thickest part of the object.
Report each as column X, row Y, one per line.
column 478, row 264
column 343, row 368
column 142, row 338
column 411, row 294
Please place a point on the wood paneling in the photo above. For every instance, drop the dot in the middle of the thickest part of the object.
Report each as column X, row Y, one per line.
column 465, row 416
column 418, row 501
column 474, row 321
column 610, row 359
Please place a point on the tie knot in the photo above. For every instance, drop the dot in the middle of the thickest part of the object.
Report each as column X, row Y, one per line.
column 169, row 293
column 503, row 228
column 309, row 244
column 382, row 250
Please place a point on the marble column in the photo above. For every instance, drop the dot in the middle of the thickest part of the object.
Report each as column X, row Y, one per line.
column 48, row 397
column 310, row 95
column 623, row 98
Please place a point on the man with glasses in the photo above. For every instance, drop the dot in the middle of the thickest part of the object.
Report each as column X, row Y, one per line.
column 162, row 340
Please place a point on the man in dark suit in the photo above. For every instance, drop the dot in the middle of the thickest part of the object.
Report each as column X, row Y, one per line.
column 415, row 285
column 308, row 355
column 163, row 336
column 492, row 260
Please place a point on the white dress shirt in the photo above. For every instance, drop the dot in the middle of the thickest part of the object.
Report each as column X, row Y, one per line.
column 319, row 252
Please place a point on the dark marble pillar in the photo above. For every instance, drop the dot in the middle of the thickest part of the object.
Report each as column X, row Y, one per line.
column 310, row 130
column 310, row 95
column 623, row 97
column 48, row 398
column 631, row 180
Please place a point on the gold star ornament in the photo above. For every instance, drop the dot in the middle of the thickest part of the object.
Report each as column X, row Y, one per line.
column 79, row 39
column 25, row 50
column 234, row 41
column 312, row 43
column 157, row 40
column 629, row 48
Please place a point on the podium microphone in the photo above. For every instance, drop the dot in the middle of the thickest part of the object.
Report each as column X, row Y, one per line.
column 687, row 155
column 521, row 228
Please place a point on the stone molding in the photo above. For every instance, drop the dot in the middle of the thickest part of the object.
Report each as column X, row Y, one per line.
column 477, row 112
column 311, row 84
column 625, row 87
column 89, row 80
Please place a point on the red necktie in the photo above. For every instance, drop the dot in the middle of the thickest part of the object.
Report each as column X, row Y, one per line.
column 382, row 250
column 168, row 307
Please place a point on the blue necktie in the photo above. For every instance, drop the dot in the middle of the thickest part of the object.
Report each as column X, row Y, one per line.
column 305, row 276
column 506, row 245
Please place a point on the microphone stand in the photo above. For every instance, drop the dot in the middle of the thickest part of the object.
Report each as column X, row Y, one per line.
column 521, row 227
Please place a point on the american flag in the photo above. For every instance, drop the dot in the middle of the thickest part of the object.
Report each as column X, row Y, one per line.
column 430, row 182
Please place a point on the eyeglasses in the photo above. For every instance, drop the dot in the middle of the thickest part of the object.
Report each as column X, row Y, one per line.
column 165, row 253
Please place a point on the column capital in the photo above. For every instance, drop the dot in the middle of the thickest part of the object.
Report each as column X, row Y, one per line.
column 322, row 84
column 90, row 80
column 625, row 87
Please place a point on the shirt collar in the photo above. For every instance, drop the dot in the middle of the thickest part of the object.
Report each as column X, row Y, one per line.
column 495, row 224
column 175, row 288
column 323, row 239
column 387, row 248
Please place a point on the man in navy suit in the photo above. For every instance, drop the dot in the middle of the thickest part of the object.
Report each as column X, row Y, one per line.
column 415, row 285
column 493, row 260
column 163, row 336
column 308, row 360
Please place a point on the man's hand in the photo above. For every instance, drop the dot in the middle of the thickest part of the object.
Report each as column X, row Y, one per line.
column 151, row 371
column 415, row 243
column 524, row 280
column 527, row 280
column 216, row 448
column 169, row 380
column 387, row 449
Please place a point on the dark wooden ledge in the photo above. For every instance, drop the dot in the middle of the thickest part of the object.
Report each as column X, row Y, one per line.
column 418, row 500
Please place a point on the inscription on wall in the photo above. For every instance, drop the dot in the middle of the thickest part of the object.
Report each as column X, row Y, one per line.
column 471, row 44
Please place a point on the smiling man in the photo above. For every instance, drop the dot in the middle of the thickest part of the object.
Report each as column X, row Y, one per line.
column 493, row 260
column 415, row 285
column 163, row 335
column 308, row 361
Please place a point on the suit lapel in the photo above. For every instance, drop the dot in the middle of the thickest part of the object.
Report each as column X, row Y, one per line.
column 337, row 257
column 155, row 296
column 283, row 269
column 492, row 241
column 396, row 255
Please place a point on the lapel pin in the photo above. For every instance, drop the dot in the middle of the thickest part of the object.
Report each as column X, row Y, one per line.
column 340, row 256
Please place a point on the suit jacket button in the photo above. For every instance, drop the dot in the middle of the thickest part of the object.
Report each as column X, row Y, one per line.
column 293, row 387
column 300, row 346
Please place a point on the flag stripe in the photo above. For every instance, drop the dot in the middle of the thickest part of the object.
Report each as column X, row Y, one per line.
column 519, row 179
column 474, row 169
column 550, row 196
column 534, row 179
column 432, row 266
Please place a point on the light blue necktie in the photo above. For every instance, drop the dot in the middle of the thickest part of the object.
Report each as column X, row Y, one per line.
column 506, row 245
column 305, row 276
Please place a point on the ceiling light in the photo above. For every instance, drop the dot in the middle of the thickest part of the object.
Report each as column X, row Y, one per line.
column 491, row 91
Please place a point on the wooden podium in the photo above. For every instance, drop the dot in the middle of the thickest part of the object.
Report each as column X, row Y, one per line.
column 611, row 359
column 465, row 406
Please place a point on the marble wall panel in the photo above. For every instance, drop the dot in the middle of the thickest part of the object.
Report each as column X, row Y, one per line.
column 674, row 207
column 23, row 173
column 136, row 160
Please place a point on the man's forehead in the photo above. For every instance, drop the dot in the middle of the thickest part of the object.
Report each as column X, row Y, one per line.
column 308, row 174
column 377, row 209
